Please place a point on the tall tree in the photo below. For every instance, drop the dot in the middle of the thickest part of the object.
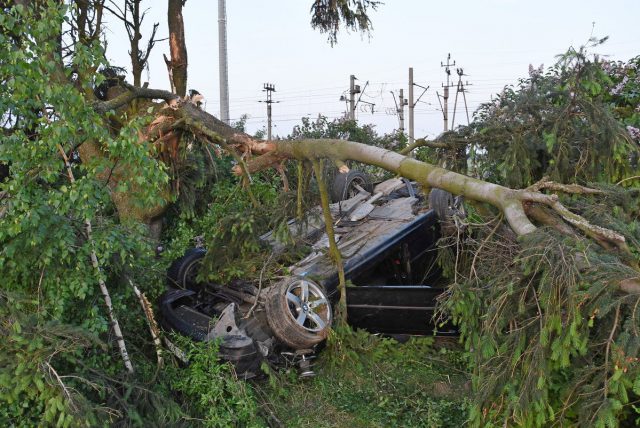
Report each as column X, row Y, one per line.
column 178, row 47
column 48, row 102
column 133, row 17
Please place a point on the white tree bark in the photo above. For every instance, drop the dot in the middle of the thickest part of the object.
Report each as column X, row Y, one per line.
column 103, row 287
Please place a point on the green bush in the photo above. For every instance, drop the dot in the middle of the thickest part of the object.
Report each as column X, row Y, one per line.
column 211, row 389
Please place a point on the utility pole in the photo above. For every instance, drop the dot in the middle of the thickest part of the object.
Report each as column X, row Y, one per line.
column 460, row 88
column 403, row 102
column 360, row 100
column 352, row 102
column 222, row 61
column 400, row 108
column 445, row 109
column 269, row 88
column 353, row 90
column 412, row 104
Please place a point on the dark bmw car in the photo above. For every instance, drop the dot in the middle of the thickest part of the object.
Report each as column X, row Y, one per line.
column 387, row 238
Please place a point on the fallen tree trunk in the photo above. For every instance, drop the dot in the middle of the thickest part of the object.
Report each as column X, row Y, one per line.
column 511, row 202
column 507, row 200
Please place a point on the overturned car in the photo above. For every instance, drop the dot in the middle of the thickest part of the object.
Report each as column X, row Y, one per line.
column 387, row 238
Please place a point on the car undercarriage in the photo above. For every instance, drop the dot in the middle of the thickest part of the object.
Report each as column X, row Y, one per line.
column 388, row 242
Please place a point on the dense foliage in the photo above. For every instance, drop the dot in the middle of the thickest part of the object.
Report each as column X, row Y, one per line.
column 574, row 122
column 552, row 337
column 58, row 363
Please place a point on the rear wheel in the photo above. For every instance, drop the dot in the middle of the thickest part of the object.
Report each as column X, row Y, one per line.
column 345, row 185
column 299, row 313
column 183, row 271
column 446, row 205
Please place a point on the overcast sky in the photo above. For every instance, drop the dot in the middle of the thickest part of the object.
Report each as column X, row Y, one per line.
column 494, row 41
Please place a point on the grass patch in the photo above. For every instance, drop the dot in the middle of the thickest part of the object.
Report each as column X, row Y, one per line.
column 368, row 381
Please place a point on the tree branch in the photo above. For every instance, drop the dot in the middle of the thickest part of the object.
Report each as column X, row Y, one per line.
column 545, row 183
column 103, row 286
column 508, row 200
column 605, row 237
column 151, row 321
column 631, row 285
column 135, row 93
column 422, row 142
column 177, row 46
column 206, row 123
column 334, row 251
column 600, row 234
column 546, row 216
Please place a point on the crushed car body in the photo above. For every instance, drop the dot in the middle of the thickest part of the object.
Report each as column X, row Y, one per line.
column 388, row 245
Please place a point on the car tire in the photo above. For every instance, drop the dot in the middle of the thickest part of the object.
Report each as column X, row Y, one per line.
column 183, row 271
column 299, row 313
column 344, row 185
column 445, row 204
